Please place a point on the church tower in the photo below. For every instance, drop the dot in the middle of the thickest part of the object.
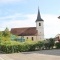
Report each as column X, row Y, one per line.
column 40, row 27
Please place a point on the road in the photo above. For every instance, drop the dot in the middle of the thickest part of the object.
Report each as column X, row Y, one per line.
column 34, row 55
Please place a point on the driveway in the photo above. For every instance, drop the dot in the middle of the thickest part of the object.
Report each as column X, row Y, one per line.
column 34, row 55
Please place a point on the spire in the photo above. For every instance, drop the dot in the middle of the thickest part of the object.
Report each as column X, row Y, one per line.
column 39, row 16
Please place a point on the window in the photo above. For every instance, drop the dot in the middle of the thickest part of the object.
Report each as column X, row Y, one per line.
column 39, row 24
column 27, row 37
column 32, row 39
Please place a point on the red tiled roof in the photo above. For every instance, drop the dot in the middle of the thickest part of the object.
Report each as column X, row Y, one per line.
column 30, row 31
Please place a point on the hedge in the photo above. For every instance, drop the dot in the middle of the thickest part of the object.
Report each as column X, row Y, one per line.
column 12, row 47
column 57, row 45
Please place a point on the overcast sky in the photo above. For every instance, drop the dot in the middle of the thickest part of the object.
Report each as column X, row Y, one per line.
column 23, row 13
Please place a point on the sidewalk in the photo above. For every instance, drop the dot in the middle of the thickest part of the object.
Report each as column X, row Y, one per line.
column 33, row 56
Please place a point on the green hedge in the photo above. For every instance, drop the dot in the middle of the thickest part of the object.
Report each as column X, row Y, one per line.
column 57, row 45
column 12, row 47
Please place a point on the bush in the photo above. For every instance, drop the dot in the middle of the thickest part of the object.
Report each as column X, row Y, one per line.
column 9, row 46
column 13, row 46
column 24, row 47
column 57, row 45
column 49, row 43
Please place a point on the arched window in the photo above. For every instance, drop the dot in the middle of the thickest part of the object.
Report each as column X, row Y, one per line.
column 39, row 24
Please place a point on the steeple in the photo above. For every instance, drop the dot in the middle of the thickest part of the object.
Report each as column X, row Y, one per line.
column 39, row 16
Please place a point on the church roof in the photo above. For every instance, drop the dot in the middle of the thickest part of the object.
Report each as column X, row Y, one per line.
column 29, row 31
column 39, row 16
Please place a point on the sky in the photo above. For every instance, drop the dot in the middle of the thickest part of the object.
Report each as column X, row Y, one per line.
column 23, row 13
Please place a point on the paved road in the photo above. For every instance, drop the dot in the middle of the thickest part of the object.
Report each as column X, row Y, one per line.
column 49, row 52
column 36, row 55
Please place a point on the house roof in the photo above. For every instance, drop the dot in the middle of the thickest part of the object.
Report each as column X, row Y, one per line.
column 29, row 31
column 58, row 35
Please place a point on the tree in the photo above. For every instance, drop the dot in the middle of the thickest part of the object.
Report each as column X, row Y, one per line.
column 51, row 42
column 6, row 33
column 0, row 36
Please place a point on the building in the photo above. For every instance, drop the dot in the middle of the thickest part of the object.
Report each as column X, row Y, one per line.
column 57, row 38
column 31, row 33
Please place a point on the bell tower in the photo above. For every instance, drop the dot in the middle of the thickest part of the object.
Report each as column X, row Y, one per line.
column 40, row 27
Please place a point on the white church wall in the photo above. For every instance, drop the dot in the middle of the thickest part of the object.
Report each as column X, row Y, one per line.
column 40, row 30
column 29, row 37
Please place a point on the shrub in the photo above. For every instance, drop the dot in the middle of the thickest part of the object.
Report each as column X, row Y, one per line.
column 24, row 47
column 57, row 45
column 40, row 44
column 49, row 43
column 13, row 46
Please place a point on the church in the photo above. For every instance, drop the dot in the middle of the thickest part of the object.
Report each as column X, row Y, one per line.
column 31, row 33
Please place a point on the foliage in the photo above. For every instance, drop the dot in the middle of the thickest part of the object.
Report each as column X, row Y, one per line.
column 13, row 46
column 49, row 43
column 0, row 36
column 57, row 45
column 6, row 33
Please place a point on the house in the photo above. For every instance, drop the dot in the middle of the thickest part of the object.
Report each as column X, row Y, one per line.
column 57, row 38
column 31, row 33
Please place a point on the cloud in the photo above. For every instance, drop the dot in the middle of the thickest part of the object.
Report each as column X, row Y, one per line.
column 14, row 16
column 9, row 1
column 51, row 23
column 16, row 21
